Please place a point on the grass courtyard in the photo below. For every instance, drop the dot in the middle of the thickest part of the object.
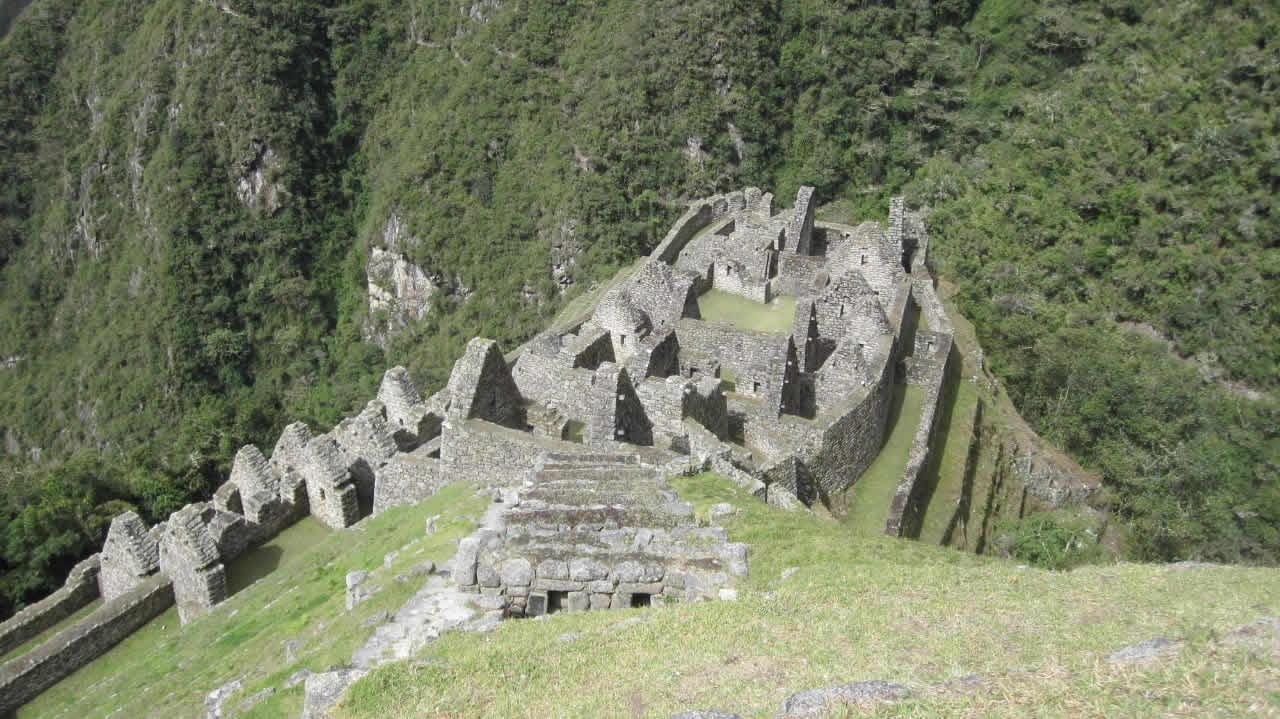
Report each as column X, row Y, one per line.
column 720, row 306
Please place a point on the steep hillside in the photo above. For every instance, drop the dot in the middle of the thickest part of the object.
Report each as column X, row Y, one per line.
column 201, row 199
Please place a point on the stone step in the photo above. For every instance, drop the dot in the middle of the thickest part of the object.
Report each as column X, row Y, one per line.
column 583, row 494
column 592, row 516
column 605, row 458
column 641, row 487
column 612, row 474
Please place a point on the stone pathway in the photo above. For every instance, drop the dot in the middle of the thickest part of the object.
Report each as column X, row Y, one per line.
column 432, row 611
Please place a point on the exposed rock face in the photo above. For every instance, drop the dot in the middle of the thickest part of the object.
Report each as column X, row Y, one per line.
column 398, row 288
column 564, row 252
column 255, row 188
column 400, row 291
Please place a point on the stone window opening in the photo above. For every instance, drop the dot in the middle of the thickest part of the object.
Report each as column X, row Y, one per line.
column 622, row 340
column 842, row 309
column 641, row 600
column 556, row 601
column 321, row 494
column 755, row 387
column 863, row 260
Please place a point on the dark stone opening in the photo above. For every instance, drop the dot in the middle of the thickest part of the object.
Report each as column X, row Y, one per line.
column 641, row 600
column 556, row 601
column 537, row 605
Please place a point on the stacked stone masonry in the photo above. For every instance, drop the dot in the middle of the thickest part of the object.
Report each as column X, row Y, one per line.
column 80, row 589
column 585, row 423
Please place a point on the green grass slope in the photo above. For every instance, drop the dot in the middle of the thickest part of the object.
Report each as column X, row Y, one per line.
column 166, row 670
column 861, row 608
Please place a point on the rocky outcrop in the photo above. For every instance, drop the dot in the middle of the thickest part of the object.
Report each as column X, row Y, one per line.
column 255, row 187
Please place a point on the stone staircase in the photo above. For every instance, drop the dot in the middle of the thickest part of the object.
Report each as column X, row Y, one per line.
column 592, row 493
column 595, row 530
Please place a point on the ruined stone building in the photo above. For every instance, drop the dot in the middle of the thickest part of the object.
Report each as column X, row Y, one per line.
column 577, row 430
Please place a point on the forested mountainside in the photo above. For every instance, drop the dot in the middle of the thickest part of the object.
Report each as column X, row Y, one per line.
column 192, row 192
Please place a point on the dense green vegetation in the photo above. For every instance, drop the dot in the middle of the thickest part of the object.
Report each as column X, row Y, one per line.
column 1084, row 163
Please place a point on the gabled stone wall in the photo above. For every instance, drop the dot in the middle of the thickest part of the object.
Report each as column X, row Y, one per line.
column 129, row 555
column 190, row 558
column 331, row 492
column 481, row 387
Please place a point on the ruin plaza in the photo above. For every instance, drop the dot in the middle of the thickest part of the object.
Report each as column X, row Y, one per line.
column 575, row 432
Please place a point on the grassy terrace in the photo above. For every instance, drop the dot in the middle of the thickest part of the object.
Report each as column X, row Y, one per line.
column 941, row 522
column 165, row 670
column 39, row 639
column 859, row 608
column 720, row 306
column 869, row 498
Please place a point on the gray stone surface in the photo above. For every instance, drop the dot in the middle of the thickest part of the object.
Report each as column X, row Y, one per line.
column 705, row 714
column 129, row 554
column 517, row 572
column 1261, row 636
column 323, row 689
column 80, row 588
column 1145, row 651
column 296, row 678
column 247, row 703
column 436, row 608
column 216, row 698
column 828, row 701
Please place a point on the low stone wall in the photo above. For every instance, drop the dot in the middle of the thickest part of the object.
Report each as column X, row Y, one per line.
column 491, row 455
column 22, row 679
column 799, row 274
column 79, row 590
column 697, row 217
column 906, row 508
column 853, row 434
column 406, row 479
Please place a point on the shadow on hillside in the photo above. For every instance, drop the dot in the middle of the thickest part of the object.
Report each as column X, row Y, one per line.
column 252, row 566
column 928, row 482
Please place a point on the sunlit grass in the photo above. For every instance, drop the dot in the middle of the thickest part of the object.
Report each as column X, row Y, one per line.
column 720, row 306
column 165, row 671
column 855, row 608
column 869, row 498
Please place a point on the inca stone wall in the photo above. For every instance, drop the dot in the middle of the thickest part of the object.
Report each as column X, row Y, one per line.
column 906, row 509
column 407, row 479
column 331, row 491
column 22, row 679
column 800, row 274
column 593, row 525
column 80, row 588
column 128, row 556
column 190, row 558
column 594, row 531
column 481, row 387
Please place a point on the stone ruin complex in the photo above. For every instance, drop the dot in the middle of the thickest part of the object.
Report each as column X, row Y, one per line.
column 575, row 432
